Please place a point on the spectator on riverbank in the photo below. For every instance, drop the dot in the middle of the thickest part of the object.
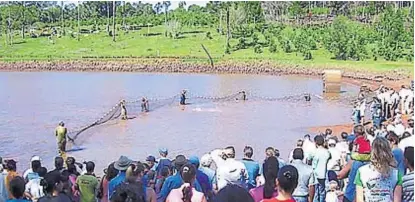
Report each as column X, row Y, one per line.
column 232, row 193
column 309, row 149
column 186, row 192
column 206, row 162
column 34, row 188
column 319, row 165
column 163, row 161
column 109, row 174
column 270, row 173
column 31, row 173
column 17, row 188
column 408, row 179
column 305, row 189
column 87, row 184
column 251, row 166
column 201, row 177
column 396, row 151
column 131, row 189
column 379, row 176
column 121, row 165
column 286, row 183
column 11, row 173
column 53, row 189
column 298, row 145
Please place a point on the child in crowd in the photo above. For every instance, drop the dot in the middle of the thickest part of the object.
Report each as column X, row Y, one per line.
column 361, row 148
column 163, row 161
column 333, row 193
column 286, row 183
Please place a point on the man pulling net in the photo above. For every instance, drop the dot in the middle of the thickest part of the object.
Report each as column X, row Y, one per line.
column 243, row 96
column 183, row 98
column 144, row 105
column 123, row 110
column 60, row 133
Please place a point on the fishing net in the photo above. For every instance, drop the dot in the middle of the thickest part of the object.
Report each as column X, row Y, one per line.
column 134, row 106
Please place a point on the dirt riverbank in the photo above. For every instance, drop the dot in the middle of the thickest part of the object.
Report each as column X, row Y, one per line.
column 357, row 76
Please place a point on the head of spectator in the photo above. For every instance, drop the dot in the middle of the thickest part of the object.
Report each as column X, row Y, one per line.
column 331, row 143
column 134, row 172
column 229, row 152
column 393, row 139
column 206, row 161
column 90, row 167
column 409, row 157
column 194, row 160
column 17, row 187
column 319, row 140
column 59, row 163
column 11, row 165
column 277, row 152
column 328, row 132
column 411, row 123
column 300, row 143
column 111, row 172
column 270, row 173
column 188, row 174
column 123, row 163
column 287, row 180
column 358, row 130
column 52, row 183
column 248, row 152
column 381, row 156
column 72, row 169
column 151, row 161
column 269, row 151
column 180, row 161
column 307, row 137
column 298, row 154
column 42, row 172
column 233, row 193
column 163, row 152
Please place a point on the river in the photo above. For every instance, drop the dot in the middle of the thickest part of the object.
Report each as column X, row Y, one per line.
column 32, row 103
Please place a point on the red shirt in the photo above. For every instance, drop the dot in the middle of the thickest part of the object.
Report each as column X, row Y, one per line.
column 363, row 145
column 276, row 200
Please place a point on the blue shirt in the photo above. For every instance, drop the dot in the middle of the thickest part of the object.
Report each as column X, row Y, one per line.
column 119, row 179
column 252, row 168
column 350, row 192
column 203, row 179
column 163, row 162
column 210, row 173
column 398, row 155
column 4, row 195
column 17, row 200
column 173, row 182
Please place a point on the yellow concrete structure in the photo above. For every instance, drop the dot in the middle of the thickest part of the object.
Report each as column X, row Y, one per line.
column 332, row 81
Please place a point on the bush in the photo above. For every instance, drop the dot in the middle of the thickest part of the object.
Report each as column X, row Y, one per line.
column 258, row 48
column 273, row 48
column 208, row 35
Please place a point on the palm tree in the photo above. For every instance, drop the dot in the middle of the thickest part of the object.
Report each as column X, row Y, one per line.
column 166, row 5
column 113, row 21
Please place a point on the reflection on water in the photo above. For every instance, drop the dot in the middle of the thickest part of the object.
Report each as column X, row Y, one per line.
column 31, row 105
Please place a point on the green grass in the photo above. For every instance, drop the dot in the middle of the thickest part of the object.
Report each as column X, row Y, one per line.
column 189, row 46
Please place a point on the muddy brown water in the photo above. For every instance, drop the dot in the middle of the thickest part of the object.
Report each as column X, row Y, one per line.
column 32, row 103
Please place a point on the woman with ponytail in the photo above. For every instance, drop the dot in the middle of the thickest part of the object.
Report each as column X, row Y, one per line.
column 186, row 193
column 286, row 183
column 270, row 173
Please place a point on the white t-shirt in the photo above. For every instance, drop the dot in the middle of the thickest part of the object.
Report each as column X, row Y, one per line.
column 35, row 189
column 399, row 129
column 309, row 149
column 407, row 142
column 229, row 170
column 320, row 160
column 334, row 162
column 370, row 138
column 395, row 98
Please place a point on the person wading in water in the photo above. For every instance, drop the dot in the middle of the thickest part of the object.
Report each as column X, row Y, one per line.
column 123, row 110
column 183, row 98
column 60, row 133
column 144, row 105
column 243, row 96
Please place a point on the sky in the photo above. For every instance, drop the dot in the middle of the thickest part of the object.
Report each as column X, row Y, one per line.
column 174, row 4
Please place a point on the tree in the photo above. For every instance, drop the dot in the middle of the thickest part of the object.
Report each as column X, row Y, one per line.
column 24, row 19
column 182, row 4
column 79, row 25
column 113, row 21
column 157, row 7
column 166, row 5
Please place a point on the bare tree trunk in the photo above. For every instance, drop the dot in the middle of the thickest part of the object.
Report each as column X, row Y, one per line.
column 165, row 20
column 220, row 22
column 24, row 19
column 113, row 21
column 228, row 31
column 10, row 37
column 62, row 20
column 108, row 17
column 123, row 15
column 79, row 25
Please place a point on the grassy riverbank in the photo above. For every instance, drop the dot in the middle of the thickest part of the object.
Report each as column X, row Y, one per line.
column 188, row 47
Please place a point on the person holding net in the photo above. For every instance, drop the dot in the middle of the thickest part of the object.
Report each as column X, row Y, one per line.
column 144, row 105
column 183, row 98
column 123, row 110
column 60, row 133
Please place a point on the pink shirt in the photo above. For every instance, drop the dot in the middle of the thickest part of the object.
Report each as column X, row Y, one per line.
column 176, row 195
column 258, row 193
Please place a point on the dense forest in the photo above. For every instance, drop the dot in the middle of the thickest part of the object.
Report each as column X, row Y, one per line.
column 348, row 30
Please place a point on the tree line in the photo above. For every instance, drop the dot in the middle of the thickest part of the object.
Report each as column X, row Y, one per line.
column 349, row 30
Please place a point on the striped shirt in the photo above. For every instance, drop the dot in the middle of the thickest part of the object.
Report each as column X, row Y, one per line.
column 408, row 187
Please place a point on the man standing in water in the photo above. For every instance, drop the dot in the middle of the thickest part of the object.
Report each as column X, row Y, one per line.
column 60, row 134
column 144, row 105
column 123, row 110
column 183, row 98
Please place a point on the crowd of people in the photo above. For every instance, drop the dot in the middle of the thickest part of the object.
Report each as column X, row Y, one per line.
column 374, row 162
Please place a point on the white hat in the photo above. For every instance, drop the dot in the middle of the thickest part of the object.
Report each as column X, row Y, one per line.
column 35, row 158
column 331, row 141
column 206, row 160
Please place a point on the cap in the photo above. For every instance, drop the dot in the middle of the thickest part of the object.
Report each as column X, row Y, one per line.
column 163, row 150
column 35, row 158
column 151, row 159
column 194, row 160
column 331, row 141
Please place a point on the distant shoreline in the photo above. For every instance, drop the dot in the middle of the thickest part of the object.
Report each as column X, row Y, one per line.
column 174, row 65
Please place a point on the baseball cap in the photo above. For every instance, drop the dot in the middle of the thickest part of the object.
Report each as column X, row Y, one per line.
column 35, row 158
column 151, row 159
column 163, row 150
column 194, row 160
